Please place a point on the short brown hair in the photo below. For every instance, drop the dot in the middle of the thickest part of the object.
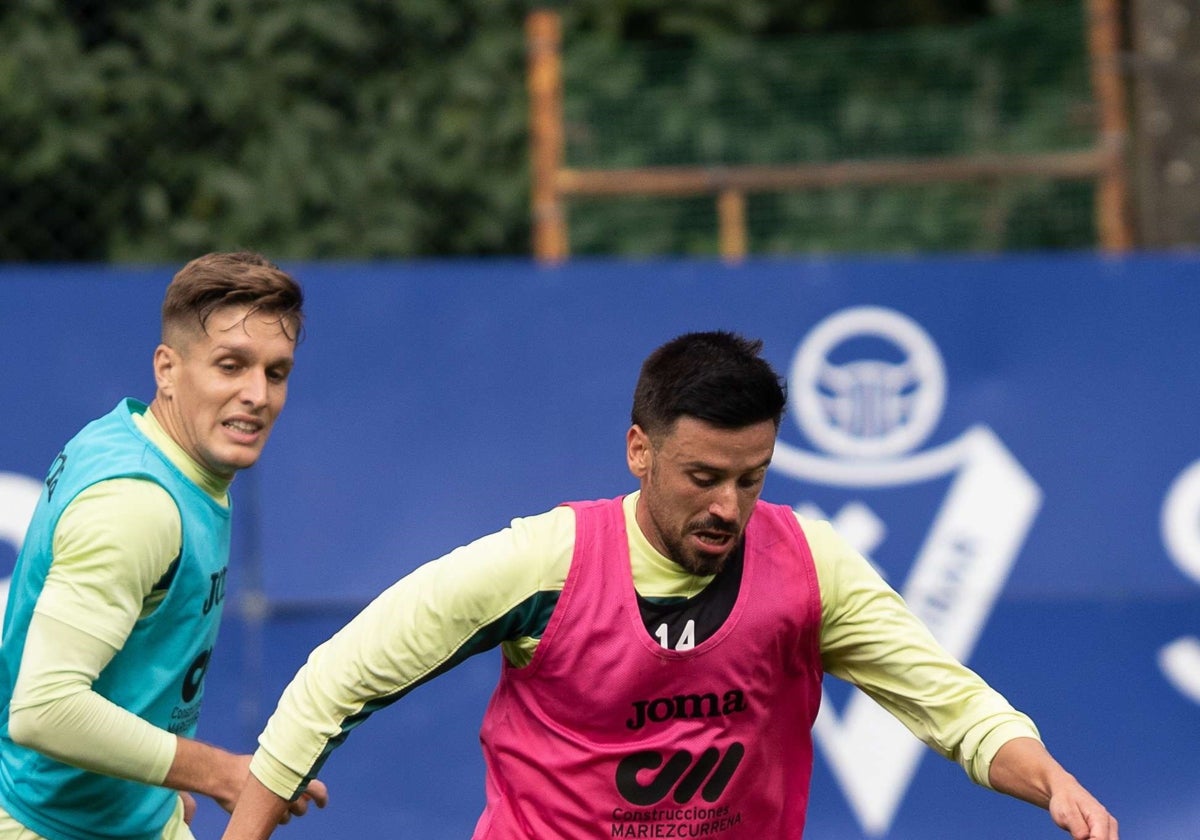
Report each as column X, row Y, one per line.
column 717, row 377
column 240, row 278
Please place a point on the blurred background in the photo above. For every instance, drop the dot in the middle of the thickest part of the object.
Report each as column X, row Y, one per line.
column 498, row 208
column 149, row 130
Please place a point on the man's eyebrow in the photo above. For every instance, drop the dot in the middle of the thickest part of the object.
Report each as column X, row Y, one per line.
column 703, row 465
column 247, row 352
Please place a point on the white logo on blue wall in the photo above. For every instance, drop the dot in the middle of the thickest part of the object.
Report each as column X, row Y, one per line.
column 18, row 497
column 1180, row 523
column 867, row 407
column 868, row 388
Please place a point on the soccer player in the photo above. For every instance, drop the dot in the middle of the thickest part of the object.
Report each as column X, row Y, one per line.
column 663, row 652
column 117, row 592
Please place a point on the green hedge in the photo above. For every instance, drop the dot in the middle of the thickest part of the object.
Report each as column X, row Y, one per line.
column 151, row 130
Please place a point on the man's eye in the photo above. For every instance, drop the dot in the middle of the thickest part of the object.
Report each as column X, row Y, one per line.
column 703, row 480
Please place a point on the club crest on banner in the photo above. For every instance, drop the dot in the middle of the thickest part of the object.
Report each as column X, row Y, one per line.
column 867, row 387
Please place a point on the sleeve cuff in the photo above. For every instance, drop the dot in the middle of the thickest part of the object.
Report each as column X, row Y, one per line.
column 276, row 776
column 981, row 765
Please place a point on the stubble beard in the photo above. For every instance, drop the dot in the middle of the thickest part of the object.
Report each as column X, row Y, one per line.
column 698, row 564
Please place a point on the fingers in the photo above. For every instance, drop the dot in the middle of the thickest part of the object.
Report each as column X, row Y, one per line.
column 189, row 807
column 1085, row 819
column 316, row 793
column 1100, row 826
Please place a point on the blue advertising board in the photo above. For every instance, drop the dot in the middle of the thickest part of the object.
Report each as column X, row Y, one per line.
column 1012, row 441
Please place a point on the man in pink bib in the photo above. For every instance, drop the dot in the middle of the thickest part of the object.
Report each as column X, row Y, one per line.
column 663, row 651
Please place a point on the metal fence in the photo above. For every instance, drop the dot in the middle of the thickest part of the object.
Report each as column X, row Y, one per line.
column 1005, row 135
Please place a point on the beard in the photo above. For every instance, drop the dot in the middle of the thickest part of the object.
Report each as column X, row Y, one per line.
column 701, row 563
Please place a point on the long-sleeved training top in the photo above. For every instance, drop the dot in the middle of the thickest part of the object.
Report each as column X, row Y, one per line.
column 502, row 588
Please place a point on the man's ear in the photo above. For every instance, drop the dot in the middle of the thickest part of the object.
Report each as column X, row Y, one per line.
column 166, row 367
column 637, row 451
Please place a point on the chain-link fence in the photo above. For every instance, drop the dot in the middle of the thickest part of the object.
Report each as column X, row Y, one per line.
column 1017, row 84
column 153, row 130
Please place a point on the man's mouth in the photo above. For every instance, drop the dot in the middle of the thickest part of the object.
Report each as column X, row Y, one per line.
column 714, row 539
column 245, row 427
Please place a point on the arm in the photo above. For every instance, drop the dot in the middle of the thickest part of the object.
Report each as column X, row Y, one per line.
column 209, row 770
column 871, row 639
column 258, row 812
column 224, row 776
column 445, row 611
column 1024, row 769
column 112, row 545
column 101, row 580
column 55, row 711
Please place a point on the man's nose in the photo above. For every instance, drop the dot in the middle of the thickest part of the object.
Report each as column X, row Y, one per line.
column 724, row 503
column 254, row 387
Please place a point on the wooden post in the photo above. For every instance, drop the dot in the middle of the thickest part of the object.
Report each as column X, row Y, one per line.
column 543, row 42
column 731, row 218
column 1112, row 187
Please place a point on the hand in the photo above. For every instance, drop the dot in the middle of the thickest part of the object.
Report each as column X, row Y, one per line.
column 1024, row 769
column 1075, row 810
column 316, row 793
column 237, row 770
column 201, row 769
column 259, row 810
column 189, row 807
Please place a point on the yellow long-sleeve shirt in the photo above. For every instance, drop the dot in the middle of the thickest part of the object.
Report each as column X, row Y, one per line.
column 501, row 589
column 113, row 547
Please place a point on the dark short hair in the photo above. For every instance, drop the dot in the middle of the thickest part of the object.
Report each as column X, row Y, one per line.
column 239, row 278
column 717, row 377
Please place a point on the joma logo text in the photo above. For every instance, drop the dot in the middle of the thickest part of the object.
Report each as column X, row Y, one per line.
column 216, row 591
column 686, row 706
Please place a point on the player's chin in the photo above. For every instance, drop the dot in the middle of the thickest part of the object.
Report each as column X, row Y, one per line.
column 706, row 558
column 705, row 563
column 234, row 459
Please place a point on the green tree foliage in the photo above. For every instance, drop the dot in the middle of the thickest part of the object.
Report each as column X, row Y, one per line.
column 156, row 129
column 1008, row 85
column 151, row 130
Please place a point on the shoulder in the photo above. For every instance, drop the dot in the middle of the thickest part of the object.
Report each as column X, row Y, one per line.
column 556, row 523
column 133, row 519
column 122, row 504
column 841, row 569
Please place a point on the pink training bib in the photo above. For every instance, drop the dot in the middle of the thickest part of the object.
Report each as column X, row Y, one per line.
column 606, row 734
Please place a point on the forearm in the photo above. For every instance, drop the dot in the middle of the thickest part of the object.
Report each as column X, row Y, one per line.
column 943, row 703
column 258, row 812
column 111, row 544
column 202, row 768
column 1023, row 768
column 420, row 626
column 870, row 638
column 55, row 711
